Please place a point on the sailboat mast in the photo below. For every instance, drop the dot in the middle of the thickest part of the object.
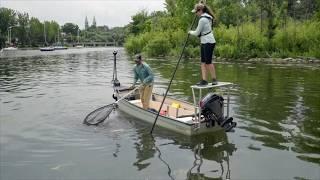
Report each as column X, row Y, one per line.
column 78, row 36
column 44, row 33
column 58, row 35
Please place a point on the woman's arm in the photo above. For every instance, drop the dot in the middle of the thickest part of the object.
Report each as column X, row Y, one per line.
column 199, row 28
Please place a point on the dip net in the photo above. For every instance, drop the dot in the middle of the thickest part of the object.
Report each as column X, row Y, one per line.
column 99, row 115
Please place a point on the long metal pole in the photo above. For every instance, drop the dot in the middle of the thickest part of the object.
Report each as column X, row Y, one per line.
column 174, row 73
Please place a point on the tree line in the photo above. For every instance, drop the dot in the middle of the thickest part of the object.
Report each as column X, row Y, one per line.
column 29, row 31
column 242, row 28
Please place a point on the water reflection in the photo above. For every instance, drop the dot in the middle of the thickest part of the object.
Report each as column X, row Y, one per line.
column 211, row 147
column 211, row 152
column 145, row 149
column 277, row 105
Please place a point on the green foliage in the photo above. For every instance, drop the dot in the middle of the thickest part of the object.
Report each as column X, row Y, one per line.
column 70, row 28
column 7, row 19
column 158, row 46
column 22, row 29
column 138, row 25
column 230, row 12
column 226, row 50
column 29, row 31
column 135, row 45
column 52, row 30
column 299, row 39
column 243, row 29
column 36, row 31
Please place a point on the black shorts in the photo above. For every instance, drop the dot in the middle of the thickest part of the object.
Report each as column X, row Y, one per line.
column 207, row 52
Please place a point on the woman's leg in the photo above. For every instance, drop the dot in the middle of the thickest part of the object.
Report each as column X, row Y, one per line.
column 209, row 65
column 211, row 69
column 203, row 71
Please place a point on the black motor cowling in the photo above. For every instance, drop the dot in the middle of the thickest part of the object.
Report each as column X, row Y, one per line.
column 212, row 109
column 212, row 104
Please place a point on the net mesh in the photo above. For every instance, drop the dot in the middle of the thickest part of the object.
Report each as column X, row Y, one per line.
column 99, row 115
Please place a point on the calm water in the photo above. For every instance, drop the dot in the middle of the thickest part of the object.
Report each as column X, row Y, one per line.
column 45, row 96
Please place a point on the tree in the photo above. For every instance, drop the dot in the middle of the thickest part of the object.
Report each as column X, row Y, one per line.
column 71, row 31
column 231, row 12
column 23, row 29
column 52, row 28
column 36, row 31
column 70, row 28
column 138, row 22
column 171, row 6
column 7, row 19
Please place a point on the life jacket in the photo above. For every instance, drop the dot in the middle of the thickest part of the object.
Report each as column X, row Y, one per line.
column 211, row 25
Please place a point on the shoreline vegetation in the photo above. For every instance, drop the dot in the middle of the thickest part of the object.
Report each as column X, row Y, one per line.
column 17, row 29
column 289, row 60
column 280, row 31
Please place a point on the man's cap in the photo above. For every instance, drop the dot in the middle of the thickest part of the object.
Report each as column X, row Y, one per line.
column 138, row 57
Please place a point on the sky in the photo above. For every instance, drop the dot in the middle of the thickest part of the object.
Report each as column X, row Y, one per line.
column 112, row 13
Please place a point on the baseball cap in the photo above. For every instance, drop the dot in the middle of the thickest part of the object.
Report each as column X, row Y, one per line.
column 197, row 7
column 138, row 57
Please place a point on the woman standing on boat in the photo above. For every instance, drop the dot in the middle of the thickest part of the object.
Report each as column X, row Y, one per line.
column 143, row 72
column 204, row 32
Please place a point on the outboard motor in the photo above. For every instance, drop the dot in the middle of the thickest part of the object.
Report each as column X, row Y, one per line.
column 212, row 109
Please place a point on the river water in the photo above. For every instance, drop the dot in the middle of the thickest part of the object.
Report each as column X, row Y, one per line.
column 44, row 97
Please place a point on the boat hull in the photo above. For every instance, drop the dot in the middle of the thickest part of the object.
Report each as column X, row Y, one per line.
column 60, row 48
column 166, row 122
column 47, row 49
column 10, row 49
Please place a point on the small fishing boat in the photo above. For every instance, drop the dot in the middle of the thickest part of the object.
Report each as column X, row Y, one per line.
column 207, row 115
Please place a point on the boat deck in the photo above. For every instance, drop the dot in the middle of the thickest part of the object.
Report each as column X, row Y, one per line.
column 184, row 112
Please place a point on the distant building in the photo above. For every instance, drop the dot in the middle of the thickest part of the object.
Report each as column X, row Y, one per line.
column 86, row 24
column 94, row 23
column 103, row 28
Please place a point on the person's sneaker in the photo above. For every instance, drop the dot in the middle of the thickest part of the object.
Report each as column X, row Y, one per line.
column 214, row 82
column 202, row 83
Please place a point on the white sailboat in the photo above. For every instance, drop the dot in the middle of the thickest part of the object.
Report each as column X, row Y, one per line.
column 46, row 48
column 78, row 44
column 10, row 47
column 58, row 45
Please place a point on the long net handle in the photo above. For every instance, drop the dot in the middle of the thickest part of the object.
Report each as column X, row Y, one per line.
column 128, row 93
column 174, row 73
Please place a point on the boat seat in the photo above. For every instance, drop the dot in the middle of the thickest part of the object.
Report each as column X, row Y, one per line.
column 136, row 102
column 186, row 120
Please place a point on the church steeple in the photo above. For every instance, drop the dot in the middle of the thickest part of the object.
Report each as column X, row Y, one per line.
column 86, row 23
column 94, row 23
